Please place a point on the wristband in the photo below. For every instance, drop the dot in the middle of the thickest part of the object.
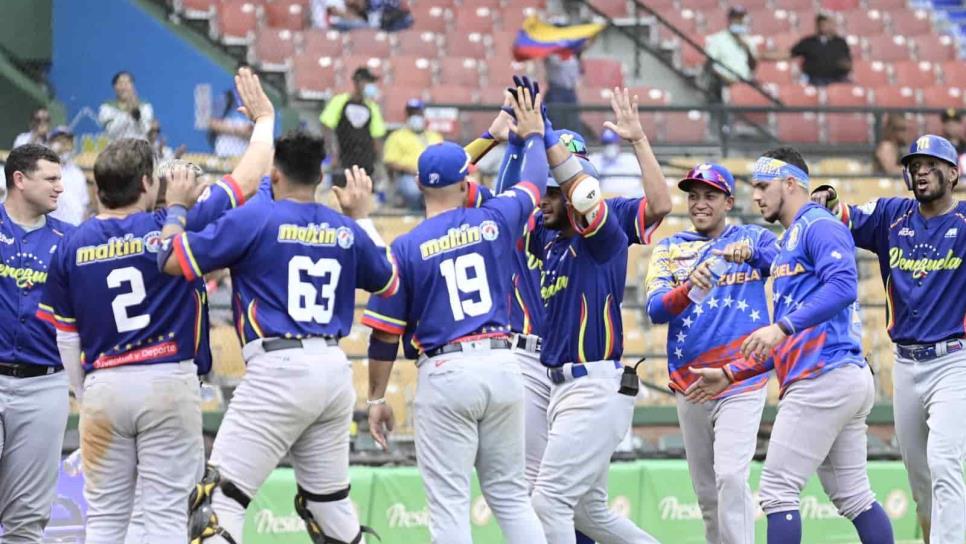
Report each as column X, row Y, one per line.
column 177, row 216
column 382, row 351
column 487, row 136
column 785, row 325
column 374, row 402
column 264, row 130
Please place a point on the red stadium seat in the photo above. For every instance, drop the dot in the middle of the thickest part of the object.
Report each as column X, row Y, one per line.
column 781, row 43
column 768, row 22
column 196, row 9
column 741, row 94
column 459, row 71
column 864, row 23
column 500, row 72
column 797, row 127
column 394, row 103
column 847, row 127
column 313, row 78
column 692, row 58
column 649, row 96
column 492, row 5
column 914, row 74
column 752, row 5
column 513, row 17
column 953, row 73
column 369, row 43
column 615, row 9
column 453, row 94
column 775, row 72
column 412, row 72
column 348, row 64
column 478, row 20
column 429, row 17
column 274, row 49
column 894, row 96
column 235, row 22
column 417, row 44
column 604, row 72
column 685, row 20
column 501, row 44
column 888, row 48
column 869, row 74
column 839, row 5
column 290, row 14
column 660, row 6
column 934, row 48
column 886, row 5
column 465, row 45
column 323, row 43
column 686, row 127
column 594, row 96
column 943, row 96
column 711, row 7
column 795, row 6
column 911, row 23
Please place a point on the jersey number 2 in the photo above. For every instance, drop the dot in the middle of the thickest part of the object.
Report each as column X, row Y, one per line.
column 459, row 280
column 302, row 295
column 132, row 276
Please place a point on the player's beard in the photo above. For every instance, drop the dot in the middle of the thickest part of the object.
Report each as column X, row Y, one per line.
column 929, row 195
column 775, row 214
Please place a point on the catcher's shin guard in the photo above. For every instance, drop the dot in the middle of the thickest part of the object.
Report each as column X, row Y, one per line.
column 314, row 529
column 202, row 520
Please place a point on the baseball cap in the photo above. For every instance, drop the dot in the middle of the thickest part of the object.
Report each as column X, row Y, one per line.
column 415, row 104
column 573, row 141
column 737, row 11
column 442, row 164
column 931, row 145
column 951, row 114
column 712, row 174
column 60, row 130
column 609, row 136
column 364, row 74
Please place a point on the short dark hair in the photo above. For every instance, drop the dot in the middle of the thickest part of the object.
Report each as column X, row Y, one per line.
column 299, row 156
column 789, row 155
column 119, row 169
column 25, row 158
column 821, row 17
column 118, row 75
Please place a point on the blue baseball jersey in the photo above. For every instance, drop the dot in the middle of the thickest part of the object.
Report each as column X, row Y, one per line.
column 105, row 285
column 921, row 261
column 294, row 267
column 583, row 284
column 814, row 294
column 456, row 282
column 710, row 334
column 25, row 260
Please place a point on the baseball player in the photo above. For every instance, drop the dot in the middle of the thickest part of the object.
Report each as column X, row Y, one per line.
column 453, row 309
column 33, row 390
column 920, row 244
column 141, row 336
column 295, row 266
column 719, row 436
column 826, row 387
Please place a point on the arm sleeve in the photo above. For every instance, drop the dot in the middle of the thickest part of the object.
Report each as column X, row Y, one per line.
column 333, row 111
column 377, row 127
column 631, row 213
column 833, row 253
column 665, row 300
column 479, row 147
column 516, row 204
column 508, row 174
column 744, row 369
column 389, row 314
column 766, row 249
column 220, row 244
column 221, row 196
column 604, row 236
column 377, row 271
column 55, row 306
column 69, row 347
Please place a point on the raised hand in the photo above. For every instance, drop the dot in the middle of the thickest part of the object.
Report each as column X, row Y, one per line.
column 255, row 103
column 355, row 198
column 526, row 109
column 500, row 127
column 182, row 185
column 628, row 125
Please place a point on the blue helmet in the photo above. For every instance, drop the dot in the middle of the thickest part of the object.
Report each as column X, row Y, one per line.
column 931, row 145
column 573, row 141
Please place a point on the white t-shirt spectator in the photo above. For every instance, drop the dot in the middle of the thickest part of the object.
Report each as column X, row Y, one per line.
column 73, row 203
column 619, row 175
column 724, row 47
column 119, row 124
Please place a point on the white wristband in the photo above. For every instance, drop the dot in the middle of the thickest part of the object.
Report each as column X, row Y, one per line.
column 264, row 130
column 374, row 402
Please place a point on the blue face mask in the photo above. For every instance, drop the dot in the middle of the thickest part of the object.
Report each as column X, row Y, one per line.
column 738, row 29
column 370, row 91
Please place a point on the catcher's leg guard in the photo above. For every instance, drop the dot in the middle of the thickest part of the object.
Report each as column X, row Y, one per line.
column 202, row 520
column 315, row 531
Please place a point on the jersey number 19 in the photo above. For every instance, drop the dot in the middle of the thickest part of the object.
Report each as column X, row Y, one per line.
column 466, row 274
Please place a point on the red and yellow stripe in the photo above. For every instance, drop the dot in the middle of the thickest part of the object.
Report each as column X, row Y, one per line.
column 239, row 319
column 199, row 308
column 252, row 313
column 890, row 305
column 603, row 210
column 232, row 189
column 393, row 284
column 186, row 259
column 383, row 323
column 531, row 191
column 581, row 356
column 61, row 323
column 527, row 323
column 608, row 329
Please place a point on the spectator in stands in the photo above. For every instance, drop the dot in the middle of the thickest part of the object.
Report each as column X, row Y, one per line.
column 953, row 129
column 563, row 75
column 73, row 206
column 733, row 51
column 162, row 152
column 619, row 170
column 402, row 151
column 232, row 129
column 39, row 126
column 353, row 126
column 826, row 58
column 126, row 116
column 891, row 147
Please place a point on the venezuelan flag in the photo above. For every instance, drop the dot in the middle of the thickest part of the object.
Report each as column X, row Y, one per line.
column 538, row 39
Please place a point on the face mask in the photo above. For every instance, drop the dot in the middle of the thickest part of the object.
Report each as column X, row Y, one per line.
column 416, row 123
column 370, row 91
column 611, row 151
column 738, row 29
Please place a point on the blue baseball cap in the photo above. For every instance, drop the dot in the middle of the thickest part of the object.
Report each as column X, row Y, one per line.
column 609, row 137
column 712, row 174
column 931, row 145
column 415, row 104
column 573, row 141
column 443, row 164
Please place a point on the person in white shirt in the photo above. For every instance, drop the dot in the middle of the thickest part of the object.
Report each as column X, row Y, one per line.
column 620, row 174
column 39, row 125
column 73, row 206
column 127, row 116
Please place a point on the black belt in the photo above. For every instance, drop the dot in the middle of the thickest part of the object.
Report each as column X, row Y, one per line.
column 24, row 370
column 520, row 342
column 495, row 343
column 276, row 344
column 928, row 352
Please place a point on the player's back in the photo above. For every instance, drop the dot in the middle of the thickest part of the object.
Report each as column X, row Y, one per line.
column 457, row 267
column 126, row 311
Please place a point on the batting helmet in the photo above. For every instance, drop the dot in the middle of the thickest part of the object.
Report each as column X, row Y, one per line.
column 929, row 145
column 573, row 141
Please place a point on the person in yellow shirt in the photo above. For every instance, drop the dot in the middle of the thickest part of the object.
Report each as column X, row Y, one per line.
column 402, row 150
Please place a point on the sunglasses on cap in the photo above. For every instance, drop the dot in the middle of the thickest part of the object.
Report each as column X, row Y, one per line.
column 710, row 176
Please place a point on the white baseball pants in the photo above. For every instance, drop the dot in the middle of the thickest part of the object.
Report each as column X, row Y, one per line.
column 536, row 400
